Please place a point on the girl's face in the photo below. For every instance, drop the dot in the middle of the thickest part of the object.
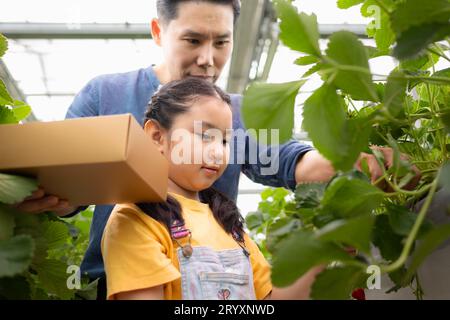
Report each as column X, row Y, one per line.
column 197, row 145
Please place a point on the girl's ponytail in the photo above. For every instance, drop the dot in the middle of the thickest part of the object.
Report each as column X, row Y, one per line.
column 223, row 208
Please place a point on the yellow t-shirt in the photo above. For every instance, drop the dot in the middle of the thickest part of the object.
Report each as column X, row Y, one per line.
column 138, row 251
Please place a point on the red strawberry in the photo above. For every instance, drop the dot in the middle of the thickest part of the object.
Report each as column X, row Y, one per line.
column 359, row 294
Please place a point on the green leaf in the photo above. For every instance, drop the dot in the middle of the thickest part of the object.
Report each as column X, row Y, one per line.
column 15, row 255
column 429, row 243
column 402, row 220
column 32, row 225
column 395, row 93
column 414, row 64
column 16, row 288
column 266, row 193
column 5, row 98
column 324, row 121
column 279, row 194
column 306, row 215
column 279, row 230
column 357, row 138
column 384, row 36
column 7, row 223
column 254, row 220
column 363, row 200
column 309, row 195
column 337, row 283
column 14, row 189
column 6, row 115
column 445, row 176
column 3, row 45
column 346, row 51
column 400, row 167
column 271, row 106
column 53, row 278
column 89, row 292
column 415, row 40
column 338, row 139
column 422, row 62
column 321, row 219
column 380, row 28
column 315, row 68
column 397, row 277
column 368, row 9
column 21, row 112
column 374, row 52
column 389, row 243
column 300, row 252
column 413, row 13
column 345, row 4
column 299, row 32
column 354, row 232
column 55, row 234
column 306, row 60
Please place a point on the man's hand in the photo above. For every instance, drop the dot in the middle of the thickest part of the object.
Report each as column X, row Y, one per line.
column 313, row 167
column 376, row 172
column 40, row 202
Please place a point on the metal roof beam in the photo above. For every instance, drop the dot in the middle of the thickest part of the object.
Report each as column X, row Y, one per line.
column 32, row 30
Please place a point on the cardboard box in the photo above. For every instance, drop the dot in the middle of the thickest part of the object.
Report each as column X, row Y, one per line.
column 95, row 160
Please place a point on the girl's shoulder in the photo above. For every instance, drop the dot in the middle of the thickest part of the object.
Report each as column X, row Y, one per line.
column 130, row 213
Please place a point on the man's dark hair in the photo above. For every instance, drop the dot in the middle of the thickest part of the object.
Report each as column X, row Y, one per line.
column 168, row 9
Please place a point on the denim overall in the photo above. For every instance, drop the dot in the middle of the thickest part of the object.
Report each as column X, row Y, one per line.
column 207, row 274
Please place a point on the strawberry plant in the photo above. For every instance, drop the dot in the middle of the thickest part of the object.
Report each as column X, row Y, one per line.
column 407, row 110
column 35, row 250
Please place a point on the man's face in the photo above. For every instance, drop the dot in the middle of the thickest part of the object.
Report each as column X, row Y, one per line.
column 199, row 41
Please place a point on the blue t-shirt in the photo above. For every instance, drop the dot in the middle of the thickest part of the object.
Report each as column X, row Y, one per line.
column 130, row 93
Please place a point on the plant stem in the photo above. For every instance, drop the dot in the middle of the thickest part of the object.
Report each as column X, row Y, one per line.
column 443, row 80
column 429, row 170
column 351, row 102
column 415, row 229
column 438, row 54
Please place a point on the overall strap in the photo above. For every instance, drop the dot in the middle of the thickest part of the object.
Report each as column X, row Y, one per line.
column 178, row 230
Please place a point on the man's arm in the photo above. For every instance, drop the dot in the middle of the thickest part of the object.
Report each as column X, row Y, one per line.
column 275, row 165
column 272, row 165
column 314, row 167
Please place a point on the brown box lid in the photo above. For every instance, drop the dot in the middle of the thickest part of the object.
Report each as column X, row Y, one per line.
column 92, row 160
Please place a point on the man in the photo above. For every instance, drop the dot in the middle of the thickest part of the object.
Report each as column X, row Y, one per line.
column 197, row 40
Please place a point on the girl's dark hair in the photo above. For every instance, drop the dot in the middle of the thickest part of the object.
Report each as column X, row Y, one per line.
column 167, row 10
column 223, row 208
column 170, row 101
column 175, row 97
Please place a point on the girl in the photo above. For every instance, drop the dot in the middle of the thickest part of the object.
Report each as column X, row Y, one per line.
column 193, row 246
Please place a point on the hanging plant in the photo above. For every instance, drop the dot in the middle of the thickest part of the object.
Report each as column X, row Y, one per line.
column 407, row 110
